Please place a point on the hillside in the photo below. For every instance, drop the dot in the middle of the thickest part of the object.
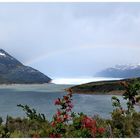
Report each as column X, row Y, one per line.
column 102, row 87
column 12, row 71
column 121, row 71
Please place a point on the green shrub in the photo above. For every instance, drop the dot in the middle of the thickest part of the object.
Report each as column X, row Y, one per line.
column 124, row 123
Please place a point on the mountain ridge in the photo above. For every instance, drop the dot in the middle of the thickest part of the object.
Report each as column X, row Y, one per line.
column 13, row 71
column 121, row 71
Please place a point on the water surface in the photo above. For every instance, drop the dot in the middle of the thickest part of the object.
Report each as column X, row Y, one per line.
column 41, row 97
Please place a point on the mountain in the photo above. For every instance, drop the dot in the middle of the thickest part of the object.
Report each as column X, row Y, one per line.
column 102, row 87
column 13, row 71
column 121, row 71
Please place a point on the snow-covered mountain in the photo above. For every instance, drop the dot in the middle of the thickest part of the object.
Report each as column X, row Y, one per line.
column 13, row 71
column 127, row 66
column 121, row 71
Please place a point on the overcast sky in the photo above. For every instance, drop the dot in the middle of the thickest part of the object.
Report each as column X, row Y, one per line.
column 71, row 39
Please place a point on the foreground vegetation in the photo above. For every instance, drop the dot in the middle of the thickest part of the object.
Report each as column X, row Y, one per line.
column 124, row 123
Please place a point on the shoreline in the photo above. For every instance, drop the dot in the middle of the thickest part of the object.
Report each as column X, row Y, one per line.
column 24, row 84
column 115, row 92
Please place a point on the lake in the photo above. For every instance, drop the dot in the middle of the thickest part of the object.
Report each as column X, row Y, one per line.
column 41, row 97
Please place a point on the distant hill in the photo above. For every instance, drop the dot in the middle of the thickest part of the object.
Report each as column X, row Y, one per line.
column 102, row 87
column 121, row 71
column 13, row 71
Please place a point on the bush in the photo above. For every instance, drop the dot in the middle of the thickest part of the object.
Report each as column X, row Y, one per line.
column 68, row 124
column 126, row 123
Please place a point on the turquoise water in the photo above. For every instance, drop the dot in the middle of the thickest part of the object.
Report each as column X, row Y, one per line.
column 41, row 97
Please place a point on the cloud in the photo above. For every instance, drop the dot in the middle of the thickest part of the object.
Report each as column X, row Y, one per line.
column 71, row 38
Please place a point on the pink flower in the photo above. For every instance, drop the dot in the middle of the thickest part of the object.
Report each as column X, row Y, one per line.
column 93, row 122
column 70, row 105
column 58, row 113
column 66, row 116
column 88, row 122
column 52, row 136
column 58, row 119
column 53, row 124
column 55, row 136
column 101, row 130
column 94, row 130
column 68, row 110
column 57, row 102
column 66, row 98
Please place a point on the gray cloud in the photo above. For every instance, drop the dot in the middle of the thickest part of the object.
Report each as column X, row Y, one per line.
column 69, row 39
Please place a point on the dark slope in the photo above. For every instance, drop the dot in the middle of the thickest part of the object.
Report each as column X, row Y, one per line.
column 102, row 87
column 13, row 71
